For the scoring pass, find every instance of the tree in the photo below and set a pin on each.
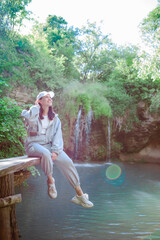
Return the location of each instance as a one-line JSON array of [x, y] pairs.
[[149, 63], [61, 40], [150, 27], [55, 28], [12, 12], [91, 45]]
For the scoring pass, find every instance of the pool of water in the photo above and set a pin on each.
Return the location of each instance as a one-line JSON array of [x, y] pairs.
[[126, 207]]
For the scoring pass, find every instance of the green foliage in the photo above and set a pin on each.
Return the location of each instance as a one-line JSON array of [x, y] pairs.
[[150, 27], [148, 68], [12, 13], [119, 100], [124, 70], [3, 84], [15, 58], [55, 22], [90, 45], [47, 72], [104, 99], [107, 99], [23, 63], [12, 131], [149, 63], [99, 104], [101, 107], [61, 41], [155, 103], [83, 99], [34, 171]]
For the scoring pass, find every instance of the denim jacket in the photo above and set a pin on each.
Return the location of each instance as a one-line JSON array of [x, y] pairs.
[[34, 126]]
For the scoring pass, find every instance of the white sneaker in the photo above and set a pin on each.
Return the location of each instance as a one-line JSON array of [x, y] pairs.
[[83, 201], [52, 192]]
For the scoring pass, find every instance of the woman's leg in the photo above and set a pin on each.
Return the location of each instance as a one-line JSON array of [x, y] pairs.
[[66, 166], [37, 150]]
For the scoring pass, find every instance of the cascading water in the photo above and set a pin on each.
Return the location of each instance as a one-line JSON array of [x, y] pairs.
[[82, 132], [88, 122], [77, 132], [109, 141]]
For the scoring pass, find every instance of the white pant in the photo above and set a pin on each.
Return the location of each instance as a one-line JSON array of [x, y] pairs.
[[63, 162]]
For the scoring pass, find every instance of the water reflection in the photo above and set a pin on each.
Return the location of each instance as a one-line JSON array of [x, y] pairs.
[[126, 211]]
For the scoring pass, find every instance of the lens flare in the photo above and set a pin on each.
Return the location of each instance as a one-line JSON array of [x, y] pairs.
[[113, 172]]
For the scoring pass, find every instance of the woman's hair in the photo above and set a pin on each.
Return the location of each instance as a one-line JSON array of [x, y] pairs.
[[51, 114]]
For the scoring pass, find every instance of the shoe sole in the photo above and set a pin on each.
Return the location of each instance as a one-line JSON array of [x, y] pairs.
[[82, 204], [52, 196]]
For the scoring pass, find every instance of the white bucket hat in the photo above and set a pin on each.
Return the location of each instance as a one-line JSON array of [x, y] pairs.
[[44, 93]]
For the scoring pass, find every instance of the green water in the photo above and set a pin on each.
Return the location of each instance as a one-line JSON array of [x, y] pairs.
[[127, 208]]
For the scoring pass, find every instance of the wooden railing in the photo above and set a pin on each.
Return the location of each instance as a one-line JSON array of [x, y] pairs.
[[8, 198]]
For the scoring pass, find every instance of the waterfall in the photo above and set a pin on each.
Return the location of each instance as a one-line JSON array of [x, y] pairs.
[[82, 131], [88, 122], [77, 131], [109, 141]]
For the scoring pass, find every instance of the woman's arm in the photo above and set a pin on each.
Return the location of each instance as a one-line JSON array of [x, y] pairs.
[[32, 114], [57, 141]]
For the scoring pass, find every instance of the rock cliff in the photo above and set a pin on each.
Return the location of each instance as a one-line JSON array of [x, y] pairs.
[[142, 143]]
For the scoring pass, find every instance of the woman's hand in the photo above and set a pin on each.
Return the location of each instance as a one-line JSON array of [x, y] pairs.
[[36, 102], [54, 156]]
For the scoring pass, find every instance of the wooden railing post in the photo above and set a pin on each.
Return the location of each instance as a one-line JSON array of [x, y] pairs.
[[8, 223], [8, 199]]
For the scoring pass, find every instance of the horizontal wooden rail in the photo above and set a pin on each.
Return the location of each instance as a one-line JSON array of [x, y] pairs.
[[12, 165], [10, 200]]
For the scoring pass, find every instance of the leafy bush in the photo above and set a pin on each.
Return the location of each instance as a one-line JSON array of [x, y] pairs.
[[106, 99], [155, 103], [29, 64], [87, 95], [12, 129]]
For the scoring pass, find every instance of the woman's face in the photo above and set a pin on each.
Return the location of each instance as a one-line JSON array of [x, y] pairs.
[[46, 101]]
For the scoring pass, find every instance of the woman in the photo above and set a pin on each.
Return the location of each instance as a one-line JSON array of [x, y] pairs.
[[45, 141]]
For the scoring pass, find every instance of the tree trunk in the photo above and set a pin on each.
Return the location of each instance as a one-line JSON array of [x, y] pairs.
[[8, 223]]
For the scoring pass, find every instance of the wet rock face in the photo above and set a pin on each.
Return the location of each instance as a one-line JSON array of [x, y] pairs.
[[143, 141], [139, 137]]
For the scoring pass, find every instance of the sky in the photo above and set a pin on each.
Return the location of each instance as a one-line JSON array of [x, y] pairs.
[[120, 18]]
